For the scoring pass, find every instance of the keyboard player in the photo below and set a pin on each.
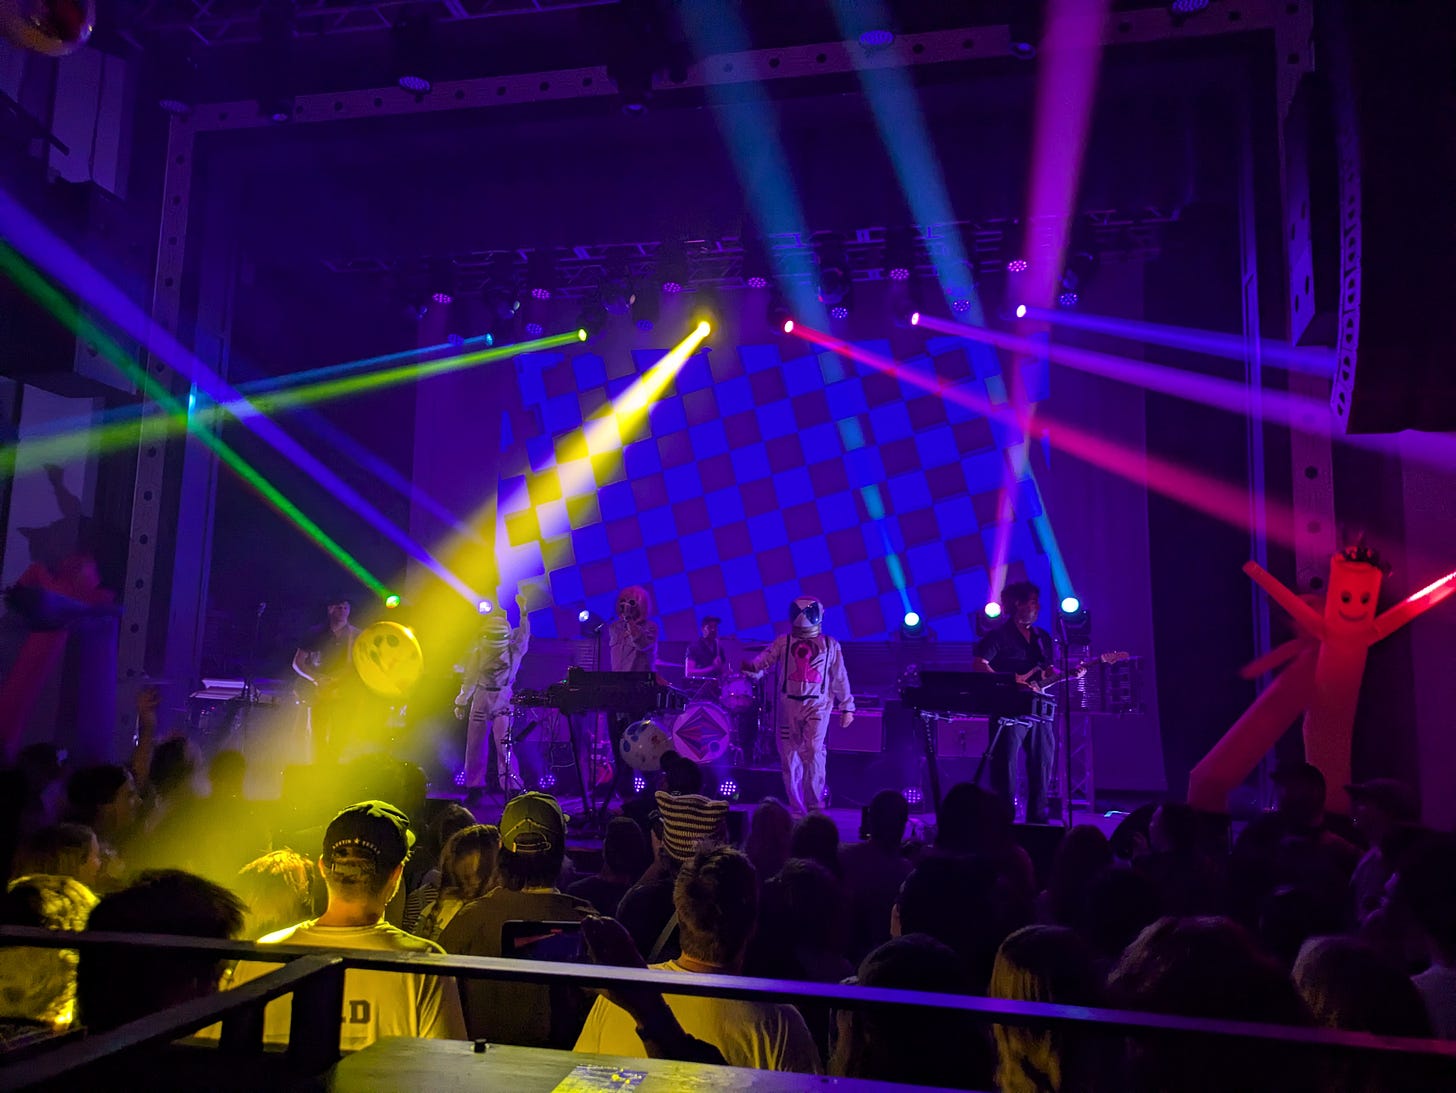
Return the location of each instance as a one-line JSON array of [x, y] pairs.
[[1019, 647]]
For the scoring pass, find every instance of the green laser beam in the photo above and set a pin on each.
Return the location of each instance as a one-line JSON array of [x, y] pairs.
[[44, 293], [37, 452]]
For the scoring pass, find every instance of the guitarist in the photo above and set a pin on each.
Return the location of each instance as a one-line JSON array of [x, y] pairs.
[[322, 664], [1020, 647]]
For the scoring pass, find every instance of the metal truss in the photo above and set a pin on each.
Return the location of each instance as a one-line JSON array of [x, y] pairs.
[[215, 22], [1117, 234]]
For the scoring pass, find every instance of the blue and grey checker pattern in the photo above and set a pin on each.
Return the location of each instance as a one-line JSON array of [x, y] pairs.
[[758, 477]]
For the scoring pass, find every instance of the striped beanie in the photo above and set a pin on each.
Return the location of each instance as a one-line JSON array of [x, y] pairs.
[[690, 819]]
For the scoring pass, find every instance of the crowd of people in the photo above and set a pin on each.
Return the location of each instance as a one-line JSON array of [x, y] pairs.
[[1303, 918]]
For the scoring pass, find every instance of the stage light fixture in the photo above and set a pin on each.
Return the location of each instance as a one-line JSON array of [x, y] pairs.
[[1071, 605], [728, 789], [778, 314], [460, 779], [1024, 31], [583, 615], [1021, 311], [992, 610], [274, 66], [900, 253], [485, 607], [1187, 7], [914, 318], [591, 624], [912, 619], [960, 305], [391, 601], [672, 267], [581, 334], [1067, 300], [1076, 626], [646, 308], [757, 272], [877, 37], [413, 54], [639, 783], [834, 283], [177, 82], [547, 781], [541, 273], [705, 328], [1017, 265], [913, 795]]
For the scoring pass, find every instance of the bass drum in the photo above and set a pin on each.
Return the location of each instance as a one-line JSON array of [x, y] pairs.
[[702, 732], [643, 744], [738, 694]]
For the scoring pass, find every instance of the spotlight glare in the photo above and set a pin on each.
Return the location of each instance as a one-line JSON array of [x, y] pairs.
[[485, 607], [583, 615], [1071, 605], [705, 328], [788, 326], [912, 619], [914, 318], [993, 610], [581, 334], [391, 601], [1021, 311]]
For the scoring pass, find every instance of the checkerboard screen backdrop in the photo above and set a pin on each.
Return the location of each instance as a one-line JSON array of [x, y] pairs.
[[761, 474]]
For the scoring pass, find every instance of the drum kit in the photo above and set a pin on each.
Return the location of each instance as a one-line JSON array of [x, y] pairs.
[[719, 719]]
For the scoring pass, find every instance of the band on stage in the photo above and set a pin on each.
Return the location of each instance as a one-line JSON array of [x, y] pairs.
[[793, 692]]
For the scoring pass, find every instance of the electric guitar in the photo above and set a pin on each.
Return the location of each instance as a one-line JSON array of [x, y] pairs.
[[1031, 681]]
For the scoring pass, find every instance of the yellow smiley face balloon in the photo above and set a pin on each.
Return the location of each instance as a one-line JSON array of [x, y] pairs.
[[388, 659]]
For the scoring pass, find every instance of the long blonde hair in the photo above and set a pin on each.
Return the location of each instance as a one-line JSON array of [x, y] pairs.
[[1041, 964]]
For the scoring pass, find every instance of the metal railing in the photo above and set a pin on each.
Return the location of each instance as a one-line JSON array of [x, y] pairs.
[[315, 978]]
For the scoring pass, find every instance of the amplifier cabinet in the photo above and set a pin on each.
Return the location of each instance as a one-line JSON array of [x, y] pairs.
[[961, 737], [866, 733]]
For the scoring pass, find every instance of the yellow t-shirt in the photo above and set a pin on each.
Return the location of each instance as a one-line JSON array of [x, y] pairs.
[[765, 1035], [376, 1004]]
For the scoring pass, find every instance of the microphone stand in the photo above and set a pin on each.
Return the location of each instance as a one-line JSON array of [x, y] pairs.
[[1066, 723]]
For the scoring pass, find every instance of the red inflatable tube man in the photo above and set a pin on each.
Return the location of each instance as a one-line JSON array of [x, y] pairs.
[[1326, 665]]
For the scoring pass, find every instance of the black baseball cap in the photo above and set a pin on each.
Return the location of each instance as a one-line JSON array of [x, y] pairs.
[[533, 823], [370, 837]]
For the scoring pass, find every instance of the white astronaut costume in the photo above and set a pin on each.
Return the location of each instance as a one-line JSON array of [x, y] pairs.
[[811, 684], [485, 692]]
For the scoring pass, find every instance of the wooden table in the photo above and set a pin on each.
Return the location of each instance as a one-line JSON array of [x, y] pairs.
[[445, 1066]]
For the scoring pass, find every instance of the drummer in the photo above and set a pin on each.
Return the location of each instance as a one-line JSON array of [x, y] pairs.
[[705, 658]]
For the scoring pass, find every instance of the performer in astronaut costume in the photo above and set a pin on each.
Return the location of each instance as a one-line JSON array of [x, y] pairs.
[[484, 700], [811, 684]]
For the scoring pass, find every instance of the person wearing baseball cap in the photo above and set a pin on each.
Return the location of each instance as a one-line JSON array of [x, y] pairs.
[[1379, 807], [364, 850], [532, 852]]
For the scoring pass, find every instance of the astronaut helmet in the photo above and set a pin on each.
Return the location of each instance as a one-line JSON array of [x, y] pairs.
[[495, 629], [805, 616]]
